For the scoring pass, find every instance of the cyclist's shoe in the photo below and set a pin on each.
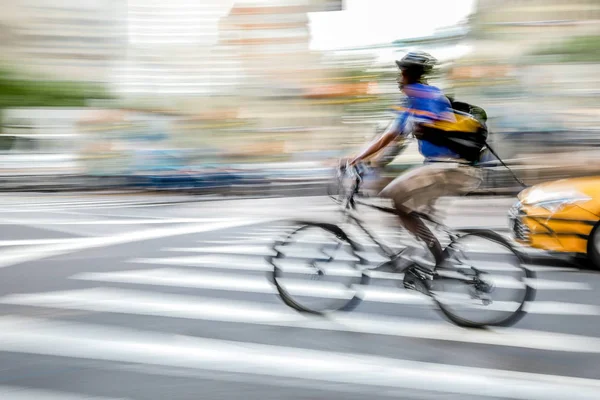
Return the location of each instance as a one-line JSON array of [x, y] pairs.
[[414, 256], [414, 280]]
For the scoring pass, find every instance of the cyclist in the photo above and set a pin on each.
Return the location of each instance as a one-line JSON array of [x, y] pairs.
[[444, 173]]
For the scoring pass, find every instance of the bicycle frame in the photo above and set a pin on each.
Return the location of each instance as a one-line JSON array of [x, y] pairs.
[[417, 275], [349, 204]]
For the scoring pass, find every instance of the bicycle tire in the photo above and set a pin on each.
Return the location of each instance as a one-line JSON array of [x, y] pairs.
[[529, 275], [346, 304]]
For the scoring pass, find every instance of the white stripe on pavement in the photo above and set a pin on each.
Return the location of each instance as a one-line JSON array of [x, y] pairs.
[[37, 336], [547, 284], [18, 256], [39, 222], [210, 309], [248, 249], [245, 238], [21, 393], [233, 249], [243, 283], [36, 242], [253, 263], [259, 284], [309, 252], [237, 262], [253, 240], [52, 208], [559, 308]]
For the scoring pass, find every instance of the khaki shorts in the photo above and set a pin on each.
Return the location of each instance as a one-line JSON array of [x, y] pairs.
[[419, 188]]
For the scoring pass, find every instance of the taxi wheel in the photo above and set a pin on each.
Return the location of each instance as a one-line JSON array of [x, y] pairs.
[[593, 247]]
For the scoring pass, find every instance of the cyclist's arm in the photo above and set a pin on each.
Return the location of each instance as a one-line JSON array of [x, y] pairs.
[[388, 136]]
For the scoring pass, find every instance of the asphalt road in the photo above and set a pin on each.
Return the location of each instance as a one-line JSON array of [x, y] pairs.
[[129, 297]]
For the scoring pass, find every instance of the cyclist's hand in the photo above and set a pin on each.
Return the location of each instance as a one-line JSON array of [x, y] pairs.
[[345, 162], [353, 162]]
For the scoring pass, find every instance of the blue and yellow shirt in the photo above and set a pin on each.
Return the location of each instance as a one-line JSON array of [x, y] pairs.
[[425, 104]]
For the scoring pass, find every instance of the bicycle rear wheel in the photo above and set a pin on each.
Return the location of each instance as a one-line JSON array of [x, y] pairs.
[[482, 281], [316, 269]]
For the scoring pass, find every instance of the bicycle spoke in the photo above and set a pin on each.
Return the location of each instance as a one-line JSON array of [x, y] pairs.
[[473, 291], [319, 274]]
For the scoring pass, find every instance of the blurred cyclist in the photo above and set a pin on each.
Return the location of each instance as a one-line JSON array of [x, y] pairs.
[[444, 172]]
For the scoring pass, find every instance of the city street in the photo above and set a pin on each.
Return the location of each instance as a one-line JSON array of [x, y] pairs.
[[153, 297]]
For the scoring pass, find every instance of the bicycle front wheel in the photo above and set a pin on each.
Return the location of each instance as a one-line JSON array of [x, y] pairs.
[[482, 281], [316, 269]]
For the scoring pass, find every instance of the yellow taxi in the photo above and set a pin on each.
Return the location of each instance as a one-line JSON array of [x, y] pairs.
[[560, 216]]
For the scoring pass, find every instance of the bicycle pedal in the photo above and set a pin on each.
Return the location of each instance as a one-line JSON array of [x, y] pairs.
[[414, 281]]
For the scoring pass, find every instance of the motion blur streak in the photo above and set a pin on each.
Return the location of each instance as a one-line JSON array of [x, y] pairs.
[[152, 153]]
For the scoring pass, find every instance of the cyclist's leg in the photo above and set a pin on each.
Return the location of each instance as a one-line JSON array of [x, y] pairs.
[[420, 188], [409, 193]]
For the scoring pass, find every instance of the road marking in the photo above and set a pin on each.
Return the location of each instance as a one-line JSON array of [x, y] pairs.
[[21, 393], [239, 241], [36, 242], [18, 256], [237, 262], [36, 336], [247, 238], [305, 252], [258, 246], [39, 222], [246, 283], [254, 263], [232, 261], [52, 208], [259, 284], [210, 309], [559, 308], [547, 284], [233, 249]]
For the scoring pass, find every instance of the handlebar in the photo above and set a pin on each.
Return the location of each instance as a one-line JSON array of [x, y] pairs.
[[356, 173]]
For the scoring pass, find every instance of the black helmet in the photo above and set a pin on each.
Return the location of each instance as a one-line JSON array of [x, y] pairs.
[[418, 62]]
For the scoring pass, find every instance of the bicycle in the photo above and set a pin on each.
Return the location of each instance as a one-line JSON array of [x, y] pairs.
[[460, 266]]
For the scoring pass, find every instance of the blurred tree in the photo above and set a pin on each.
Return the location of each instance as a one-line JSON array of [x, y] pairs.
[[577, 49], [22, 91]]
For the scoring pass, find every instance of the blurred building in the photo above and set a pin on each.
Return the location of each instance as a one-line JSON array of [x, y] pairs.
[[172, 50], [534, 67], [518, 26], [185, 48], [280, 77], [272, 43], [69, 39]]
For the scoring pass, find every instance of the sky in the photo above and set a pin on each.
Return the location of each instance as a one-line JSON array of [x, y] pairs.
[[361, 23], [366, 22]]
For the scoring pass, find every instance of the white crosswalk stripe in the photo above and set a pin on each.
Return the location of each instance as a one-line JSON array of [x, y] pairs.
[[250, 263], [21, 393], [236, 265], [66, 201], [258, 284], [32, 336], [192, 307]]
